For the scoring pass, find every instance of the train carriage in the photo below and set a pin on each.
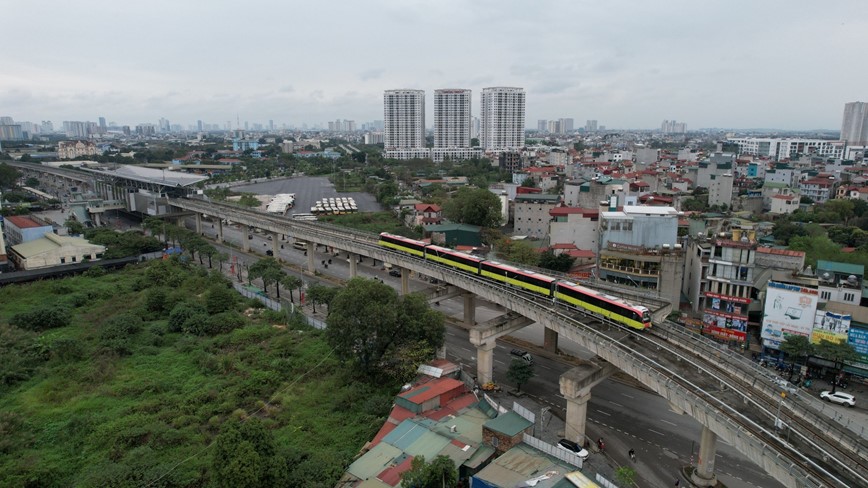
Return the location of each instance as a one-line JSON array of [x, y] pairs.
[[404, 244], [454, 259], [528, 280], [635, 316]]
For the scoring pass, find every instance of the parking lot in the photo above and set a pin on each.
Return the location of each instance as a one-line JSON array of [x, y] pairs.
[[309, 189]]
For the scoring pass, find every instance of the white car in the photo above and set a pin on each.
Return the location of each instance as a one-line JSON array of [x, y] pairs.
[[839, 397], [574, 448]]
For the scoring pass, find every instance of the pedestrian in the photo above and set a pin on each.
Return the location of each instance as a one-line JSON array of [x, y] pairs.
[[677, 483], [632, 454]]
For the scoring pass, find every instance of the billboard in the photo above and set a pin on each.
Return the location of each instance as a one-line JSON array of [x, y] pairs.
[[831, 326], [859, 340], [726, 316], [789, 310]]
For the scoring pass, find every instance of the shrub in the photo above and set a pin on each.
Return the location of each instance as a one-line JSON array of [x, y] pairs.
[[219, 299], [180, 313], [224, 322], [42, 318]]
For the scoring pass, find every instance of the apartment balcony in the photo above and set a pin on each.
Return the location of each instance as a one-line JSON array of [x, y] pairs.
[[645, 272]]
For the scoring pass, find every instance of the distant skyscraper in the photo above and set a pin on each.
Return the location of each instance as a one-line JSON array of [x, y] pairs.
[[591, 126], [502, 118], [270, 125], [199, 125], [102, 126], [673, 127], [854, 127], [404, 119], [6, 120], [566, 125], [554, 127], [452, 118], [474, 128], [542, 125], [74, 128]]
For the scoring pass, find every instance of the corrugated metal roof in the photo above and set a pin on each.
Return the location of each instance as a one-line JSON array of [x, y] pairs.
[[522, 463], [374, 461], [509, 423], [423, 393], [405, 434], [856, 269]]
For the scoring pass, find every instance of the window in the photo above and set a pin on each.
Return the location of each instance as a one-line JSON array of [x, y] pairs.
[[848, 297], [825, 295]]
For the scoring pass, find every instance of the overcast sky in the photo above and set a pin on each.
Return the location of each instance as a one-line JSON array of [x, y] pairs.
[[789, 64]]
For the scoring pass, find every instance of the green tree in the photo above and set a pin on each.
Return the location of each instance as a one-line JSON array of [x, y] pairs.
[[474, 206], [518, 252], [322, 294], [32, 182], [796, 346], [439, 473], [249, 200], [245, 455], [291, 282], [562, 262], [221, 258], [74, 227], [368, 322], [838, 352], [520, 372], [8, 176], [269, 270], [529, 182], [625, 475]]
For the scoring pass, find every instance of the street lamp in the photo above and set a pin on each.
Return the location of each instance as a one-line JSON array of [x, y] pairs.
[[778, 423]]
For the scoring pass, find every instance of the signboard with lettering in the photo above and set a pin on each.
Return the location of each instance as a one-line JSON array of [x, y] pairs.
[[831, 326], [789, 310], [859, 340]]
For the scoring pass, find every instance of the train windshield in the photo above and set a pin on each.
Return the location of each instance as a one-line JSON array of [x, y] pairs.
[[646, 317]]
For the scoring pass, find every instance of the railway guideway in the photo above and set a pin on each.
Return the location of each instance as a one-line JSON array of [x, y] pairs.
[[720, 419]]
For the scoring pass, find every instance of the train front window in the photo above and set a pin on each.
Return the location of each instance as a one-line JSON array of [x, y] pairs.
[[646, 317]]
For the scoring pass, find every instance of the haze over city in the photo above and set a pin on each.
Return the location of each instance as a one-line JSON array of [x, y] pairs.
[[628, 64]]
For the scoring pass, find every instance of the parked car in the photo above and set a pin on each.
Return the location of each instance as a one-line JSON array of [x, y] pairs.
[[839, 397], [574, 447], [523, 355], [395, 272]]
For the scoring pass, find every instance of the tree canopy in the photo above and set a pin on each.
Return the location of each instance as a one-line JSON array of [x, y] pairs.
[[474, 206], [369, 324], [439, 473], [8, 176]]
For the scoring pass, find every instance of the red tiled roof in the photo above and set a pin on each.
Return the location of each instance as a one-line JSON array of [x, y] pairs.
[[427, 391], [427, 207], [587, 212], [24, 222], [785, 197], [565, 245], [780, 252], [581, 253]]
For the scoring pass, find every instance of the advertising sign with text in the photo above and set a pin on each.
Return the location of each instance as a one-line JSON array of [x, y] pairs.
[[789, 309]]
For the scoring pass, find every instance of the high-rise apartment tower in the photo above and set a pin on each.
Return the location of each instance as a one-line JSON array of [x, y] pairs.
[[404, 119], [502, 118], [854, 127], [451, 118]]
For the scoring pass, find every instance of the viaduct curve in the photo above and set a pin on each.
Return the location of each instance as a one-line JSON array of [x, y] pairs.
[[757, 442]]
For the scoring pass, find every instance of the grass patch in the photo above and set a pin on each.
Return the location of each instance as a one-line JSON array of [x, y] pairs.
[[374, 222], [82, 407]]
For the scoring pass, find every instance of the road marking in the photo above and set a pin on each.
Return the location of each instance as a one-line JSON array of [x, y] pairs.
[[670, 423], [604, 413], [615, 403], [499, 362], [658, 433], [628, 396]]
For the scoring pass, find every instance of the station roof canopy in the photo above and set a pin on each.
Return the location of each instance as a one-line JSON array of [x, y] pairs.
[[151, 175]]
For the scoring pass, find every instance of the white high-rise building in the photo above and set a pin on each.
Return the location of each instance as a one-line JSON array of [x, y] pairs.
[[854, 127], [451, 118], [502, 117], [404, 119]]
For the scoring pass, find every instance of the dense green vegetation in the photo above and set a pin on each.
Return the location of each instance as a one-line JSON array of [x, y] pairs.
[[374, 222], [154, 375], [824, 229]]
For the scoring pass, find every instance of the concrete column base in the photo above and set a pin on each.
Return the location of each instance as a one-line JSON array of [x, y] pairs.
[[485, 363], [550, 341], [703, 475], [220, 230], [469, 309], [405, 281], [310, 264], [354, 261]]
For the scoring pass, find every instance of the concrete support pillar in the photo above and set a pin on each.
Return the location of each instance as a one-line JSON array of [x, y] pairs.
[[354, 261], [245, 239], [275, 245], [469, 309], [310, 252], [550, 340], [405, 281], [576, 419], [198, 224], [703, 475], [485, 362], [97, 220], [219, 230]]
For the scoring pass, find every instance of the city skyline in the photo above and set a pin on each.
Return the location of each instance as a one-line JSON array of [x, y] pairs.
[[734, 64]]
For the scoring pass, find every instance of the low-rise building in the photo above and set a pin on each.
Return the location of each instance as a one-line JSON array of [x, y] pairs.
[[21, 228], [784, 204], [54, 250], [74, 149], [532, 214]]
